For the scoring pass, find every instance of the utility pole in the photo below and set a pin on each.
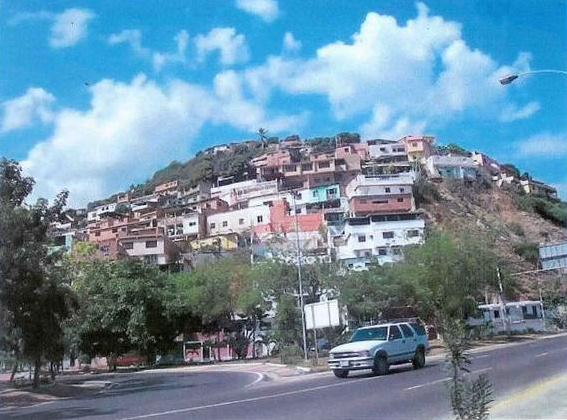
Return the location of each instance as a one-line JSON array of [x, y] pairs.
[[503, 302], [301, 302]]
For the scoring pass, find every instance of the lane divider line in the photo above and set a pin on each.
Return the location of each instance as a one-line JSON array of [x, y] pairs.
[[246, 400], [438, 381]]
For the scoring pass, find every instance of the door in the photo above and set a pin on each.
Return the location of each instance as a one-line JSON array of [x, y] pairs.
[[397, 344]]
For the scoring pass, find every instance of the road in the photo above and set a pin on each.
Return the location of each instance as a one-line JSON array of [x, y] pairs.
[[402, 394]]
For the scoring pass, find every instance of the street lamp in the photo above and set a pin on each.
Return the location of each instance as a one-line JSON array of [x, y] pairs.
[[506, 80], [301, 302]]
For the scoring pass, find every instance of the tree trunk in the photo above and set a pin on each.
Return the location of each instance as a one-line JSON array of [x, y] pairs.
[[14, 370], [36, 372]]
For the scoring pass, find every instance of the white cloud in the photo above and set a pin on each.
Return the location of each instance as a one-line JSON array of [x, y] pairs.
[[230, 45], [267, 10], [132, 37], [132, 129], [512, 113], [422, 70], [290, 44], [69, 27], [382, 125], [159, 60], [22, 111], [543, 145]]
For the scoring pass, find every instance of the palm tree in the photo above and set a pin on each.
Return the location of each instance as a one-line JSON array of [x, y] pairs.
[[263, 134]]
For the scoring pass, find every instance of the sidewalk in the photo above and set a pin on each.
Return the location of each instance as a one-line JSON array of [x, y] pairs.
[[543, 400]]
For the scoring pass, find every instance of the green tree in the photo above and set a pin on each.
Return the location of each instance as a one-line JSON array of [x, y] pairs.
[[33, 299], [124, 307]]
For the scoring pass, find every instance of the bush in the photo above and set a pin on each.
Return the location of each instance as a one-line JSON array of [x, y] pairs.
[[517, 229], [529, 251], [425, 192], [553, 210]]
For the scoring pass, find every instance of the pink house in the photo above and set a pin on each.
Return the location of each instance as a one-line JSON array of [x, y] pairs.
[[282, 221]]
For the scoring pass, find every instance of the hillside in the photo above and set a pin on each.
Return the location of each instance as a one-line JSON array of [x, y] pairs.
[[497, 213]]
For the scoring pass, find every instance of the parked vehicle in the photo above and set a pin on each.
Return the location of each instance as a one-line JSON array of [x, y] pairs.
[[379, 346]]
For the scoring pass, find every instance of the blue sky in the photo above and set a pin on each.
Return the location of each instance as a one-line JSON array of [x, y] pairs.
[[96, 95]]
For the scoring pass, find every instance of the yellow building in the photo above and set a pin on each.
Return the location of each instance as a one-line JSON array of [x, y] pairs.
[[226, 242]]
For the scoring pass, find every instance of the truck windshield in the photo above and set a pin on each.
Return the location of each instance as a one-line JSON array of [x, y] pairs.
[[378, 333]]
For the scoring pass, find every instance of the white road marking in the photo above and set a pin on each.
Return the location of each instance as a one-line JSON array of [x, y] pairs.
[[258, 379], [545, 353], [438, 381], [263, 397], [480, 356]]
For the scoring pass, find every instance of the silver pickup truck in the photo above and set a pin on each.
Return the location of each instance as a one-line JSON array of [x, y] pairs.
[[379, 346]]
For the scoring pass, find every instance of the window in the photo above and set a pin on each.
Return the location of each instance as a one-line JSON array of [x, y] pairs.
[[324, 165], [298, 210], [306, 166], [382, 149], [224, 223], [367, 254], [396, 250], [208, 205], [419, 329], [406, 330], [350, 265], [387, 189], [382, 251], [363, 334], [402, 190], [260, 219], [128, 245], [240, 221], [388, 235], [151, 244], [213, 225], [363, 201], [346, 149], [298, 196], [361, 238], [290, 168], [332, 191], [192, 223], [151, 259], [395, 333], [400, 200], [114, 230], [414, 144], [413, 233], [315, 193], [123, 229], [496, 314], [97, 233], [384, 201]]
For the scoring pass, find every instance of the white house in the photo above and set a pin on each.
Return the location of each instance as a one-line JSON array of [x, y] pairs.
[[237, 221], [94, 214], [519, 316], [243, 191], [393, 149], [457, 167], [378, 238]]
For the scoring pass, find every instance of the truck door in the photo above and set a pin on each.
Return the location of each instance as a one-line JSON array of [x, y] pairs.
[[396, 344]]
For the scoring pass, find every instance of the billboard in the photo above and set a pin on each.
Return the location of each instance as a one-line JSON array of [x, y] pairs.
[[322, 314], [553, 256]]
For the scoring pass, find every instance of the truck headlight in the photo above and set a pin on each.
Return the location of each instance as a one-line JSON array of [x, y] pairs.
[[364, 353]]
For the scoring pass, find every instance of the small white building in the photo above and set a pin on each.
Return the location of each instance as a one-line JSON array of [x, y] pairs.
[[453, 167], [520, 316], [244, 191], [237, 221], [377, 239], [394, 149], [95, 214]]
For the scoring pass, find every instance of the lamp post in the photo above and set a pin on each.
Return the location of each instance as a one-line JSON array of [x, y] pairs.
[[301, 302], [506, 80]]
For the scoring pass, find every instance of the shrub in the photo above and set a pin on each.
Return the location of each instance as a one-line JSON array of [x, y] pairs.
[[529, 251], [516, 228], [425, 192]]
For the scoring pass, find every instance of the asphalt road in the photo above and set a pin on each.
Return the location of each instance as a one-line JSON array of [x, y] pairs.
[[404, 393]]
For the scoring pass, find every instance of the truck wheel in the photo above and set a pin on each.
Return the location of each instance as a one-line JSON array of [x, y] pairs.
[[340, 373], [380, 365], [418, 360]]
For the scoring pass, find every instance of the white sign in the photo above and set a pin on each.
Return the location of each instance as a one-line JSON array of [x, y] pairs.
[[322, 314]]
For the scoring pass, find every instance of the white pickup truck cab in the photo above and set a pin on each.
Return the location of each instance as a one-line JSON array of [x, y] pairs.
[[379, 346]]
